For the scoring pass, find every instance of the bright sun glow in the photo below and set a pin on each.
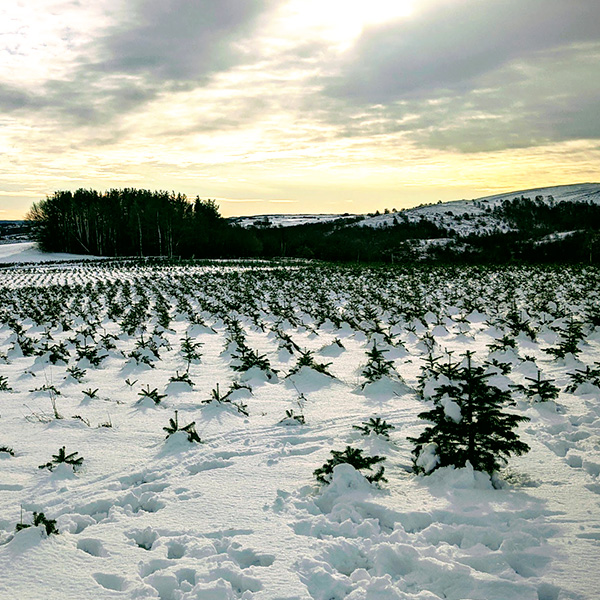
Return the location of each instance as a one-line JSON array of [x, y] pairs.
[[344, 20]]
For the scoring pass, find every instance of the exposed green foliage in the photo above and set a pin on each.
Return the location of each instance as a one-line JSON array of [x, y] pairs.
[[355, 458], [62, 457], [189, 429], [481, 433]]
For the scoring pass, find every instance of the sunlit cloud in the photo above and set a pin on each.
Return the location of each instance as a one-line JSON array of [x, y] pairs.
[[303, 104]]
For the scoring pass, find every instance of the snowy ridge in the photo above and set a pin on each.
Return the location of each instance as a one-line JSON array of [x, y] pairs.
[[450, 215]]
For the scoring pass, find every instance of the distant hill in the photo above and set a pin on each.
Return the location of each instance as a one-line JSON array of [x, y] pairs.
[[464, 217], [14, 231], [551, 224]]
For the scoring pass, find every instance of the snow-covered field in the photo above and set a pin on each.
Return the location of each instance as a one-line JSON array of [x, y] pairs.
[[88, 352], [28, 252]]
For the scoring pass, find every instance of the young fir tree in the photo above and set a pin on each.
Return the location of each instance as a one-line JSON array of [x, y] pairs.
[[468, 424], [539, 390], [377, 366]]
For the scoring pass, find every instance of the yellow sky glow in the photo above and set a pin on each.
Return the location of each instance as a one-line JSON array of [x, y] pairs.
[[295, 122]]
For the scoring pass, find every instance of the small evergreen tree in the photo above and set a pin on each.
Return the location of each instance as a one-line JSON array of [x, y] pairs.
[[183, 378], [375, 425], [589, 375], [306, 359], [355, 458], [190, 350], [291, 416], [190, 429], [569, 339], [39, 519], [225, 399], [152, 394], [247, 358], [62, 457], [377, 366], [502, 344], [539, 390], [76, 373], [468, 424]]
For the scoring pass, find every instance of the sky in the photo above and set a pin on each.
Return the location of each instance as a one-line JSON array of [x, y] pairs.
[[298, 106]]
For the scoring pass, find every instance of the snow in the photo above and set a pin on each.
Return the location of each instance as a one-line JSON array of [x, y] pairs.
[[452, 214], [451, 408], [28, 252], [240, 515], [428, 458], [279, 220]]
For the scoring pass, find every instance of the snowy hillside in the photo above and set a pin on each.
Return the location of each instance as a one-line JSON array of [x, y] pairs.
[[470, 216], [462, 216], [160, 429]]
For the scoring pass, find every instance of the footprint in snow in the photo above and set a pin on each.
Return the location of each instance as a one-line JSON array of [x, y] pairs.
[[111, 582], [92, 547]]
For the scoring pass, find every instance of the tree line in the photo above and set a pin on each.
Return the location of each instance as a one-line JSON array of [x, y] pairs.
[[137, 222], [130, 222]]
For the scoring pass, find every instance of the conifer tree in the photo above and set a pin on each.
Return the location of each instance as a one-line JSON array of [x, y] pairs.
[[468, 424], [539, 390], [377, 365]]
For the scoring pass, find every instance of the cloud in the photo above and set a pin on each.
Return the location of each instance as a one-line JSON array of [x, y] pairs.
[[163, 46], [179, 40], [556, 100], [474, 75], [12, 98], [451, 43]]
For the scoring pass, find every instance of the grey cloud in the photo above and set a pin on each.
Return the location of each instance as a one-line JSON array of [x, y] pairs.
[[12, 99], [450, 44], [180, 40], [165, 46], [476, 76]]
